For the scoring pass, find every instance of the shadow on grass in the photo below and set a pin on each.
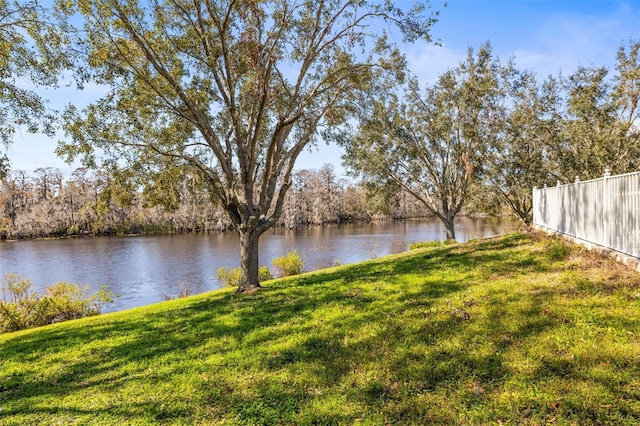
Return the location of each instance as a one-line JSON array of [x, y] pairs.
[[249, 324], [325, 348]]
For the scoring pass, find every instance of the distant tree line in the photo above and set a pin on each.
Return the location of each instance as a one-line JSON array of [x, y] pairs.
[[45, 203]]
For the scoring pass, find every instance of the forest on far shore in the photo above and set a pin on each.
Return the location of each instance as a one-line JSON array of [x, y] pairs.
[[45, 203]]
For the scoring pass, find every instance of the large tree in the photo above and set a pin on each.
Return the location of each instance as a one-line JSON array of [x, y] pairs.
[[568, 127], [28, 58], [26, 62], [430, 144], [600, 119], [232, 90], [522, 157]]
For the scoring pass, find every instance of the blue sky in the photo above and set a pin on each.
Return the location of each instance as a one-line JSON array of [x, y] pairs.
[[543, 36]]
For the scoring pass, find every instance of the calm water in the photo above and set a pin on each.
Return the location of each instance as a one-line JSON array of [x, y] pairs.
[[145, 269]]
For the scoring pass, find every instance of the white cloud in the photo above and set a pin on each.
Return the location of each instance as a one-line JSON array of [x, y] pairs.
[[429, 61], [566, 41], [565, 36]]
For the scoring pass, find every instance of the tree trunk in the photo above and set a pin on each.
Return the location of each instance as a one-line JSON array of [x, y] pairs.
[[448, 226], [448, 216], [249, 261]]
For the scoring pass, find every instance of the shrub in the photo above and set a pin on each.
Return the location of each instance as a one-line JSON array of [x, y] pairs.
[[288, 265], [231, 277], [558, 250], [431, 244], [285, 266], [426, 244], [184, 290], [21, 307]]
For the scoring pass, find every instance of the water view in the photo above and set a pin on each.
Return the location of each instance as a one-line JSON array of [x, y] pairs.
[[145, 269]]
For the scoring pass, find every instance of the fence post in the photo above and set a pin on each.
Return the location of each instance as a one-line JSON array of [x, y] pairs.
[[576, 207], [560, 221], [534, 206], [606, 208]]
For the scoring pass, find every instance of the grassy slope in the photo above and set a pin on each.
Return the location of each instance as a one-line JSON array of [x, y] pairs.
[[522, 329]]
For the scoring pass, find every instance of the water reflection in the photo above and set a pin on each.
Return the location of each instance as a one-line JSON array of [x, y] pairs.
[[144, 269]]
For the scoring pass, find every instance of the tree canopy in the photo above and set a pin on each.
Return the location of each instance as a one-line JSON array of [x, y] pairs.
[[28, 59], [486, 129], [230, 90], [431, 144], [568, 127]]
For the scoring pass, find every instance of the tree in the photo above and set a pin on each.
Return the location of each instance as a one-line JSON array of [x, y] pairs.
[[584, 147], [626, 101], [522, 158], [313, 198], [599, 119], [326, 202], [27, 53], [568, 127], [431, 145], [233, 90]]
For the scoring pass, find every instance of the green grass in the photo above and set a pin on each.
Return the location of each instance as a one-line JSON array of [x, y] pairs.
[[521, 329]]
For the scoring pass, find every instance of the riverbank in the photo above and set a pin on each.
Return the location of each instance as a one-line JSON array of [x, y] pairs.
[[145, 269], [228, 228], [520, 329]]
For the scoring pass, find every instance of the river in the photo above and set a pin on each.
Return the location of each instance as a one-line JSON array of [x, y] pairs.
[[145, 269]]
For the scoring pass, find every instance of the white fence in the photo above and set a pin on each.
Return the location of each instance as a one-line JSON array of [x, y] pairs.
[[603, 211]]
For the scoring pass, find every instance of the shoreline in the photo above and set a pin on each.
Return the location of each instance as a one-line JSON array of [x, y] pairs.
[[4, 239]]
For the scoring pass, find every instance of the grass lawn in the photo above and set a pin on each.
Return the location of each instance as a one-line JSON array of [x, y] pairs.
[[521, 329]]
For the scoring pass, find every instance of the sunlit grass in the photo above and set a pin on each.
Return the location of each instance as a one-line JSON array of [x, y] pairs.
[[521, 329]]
